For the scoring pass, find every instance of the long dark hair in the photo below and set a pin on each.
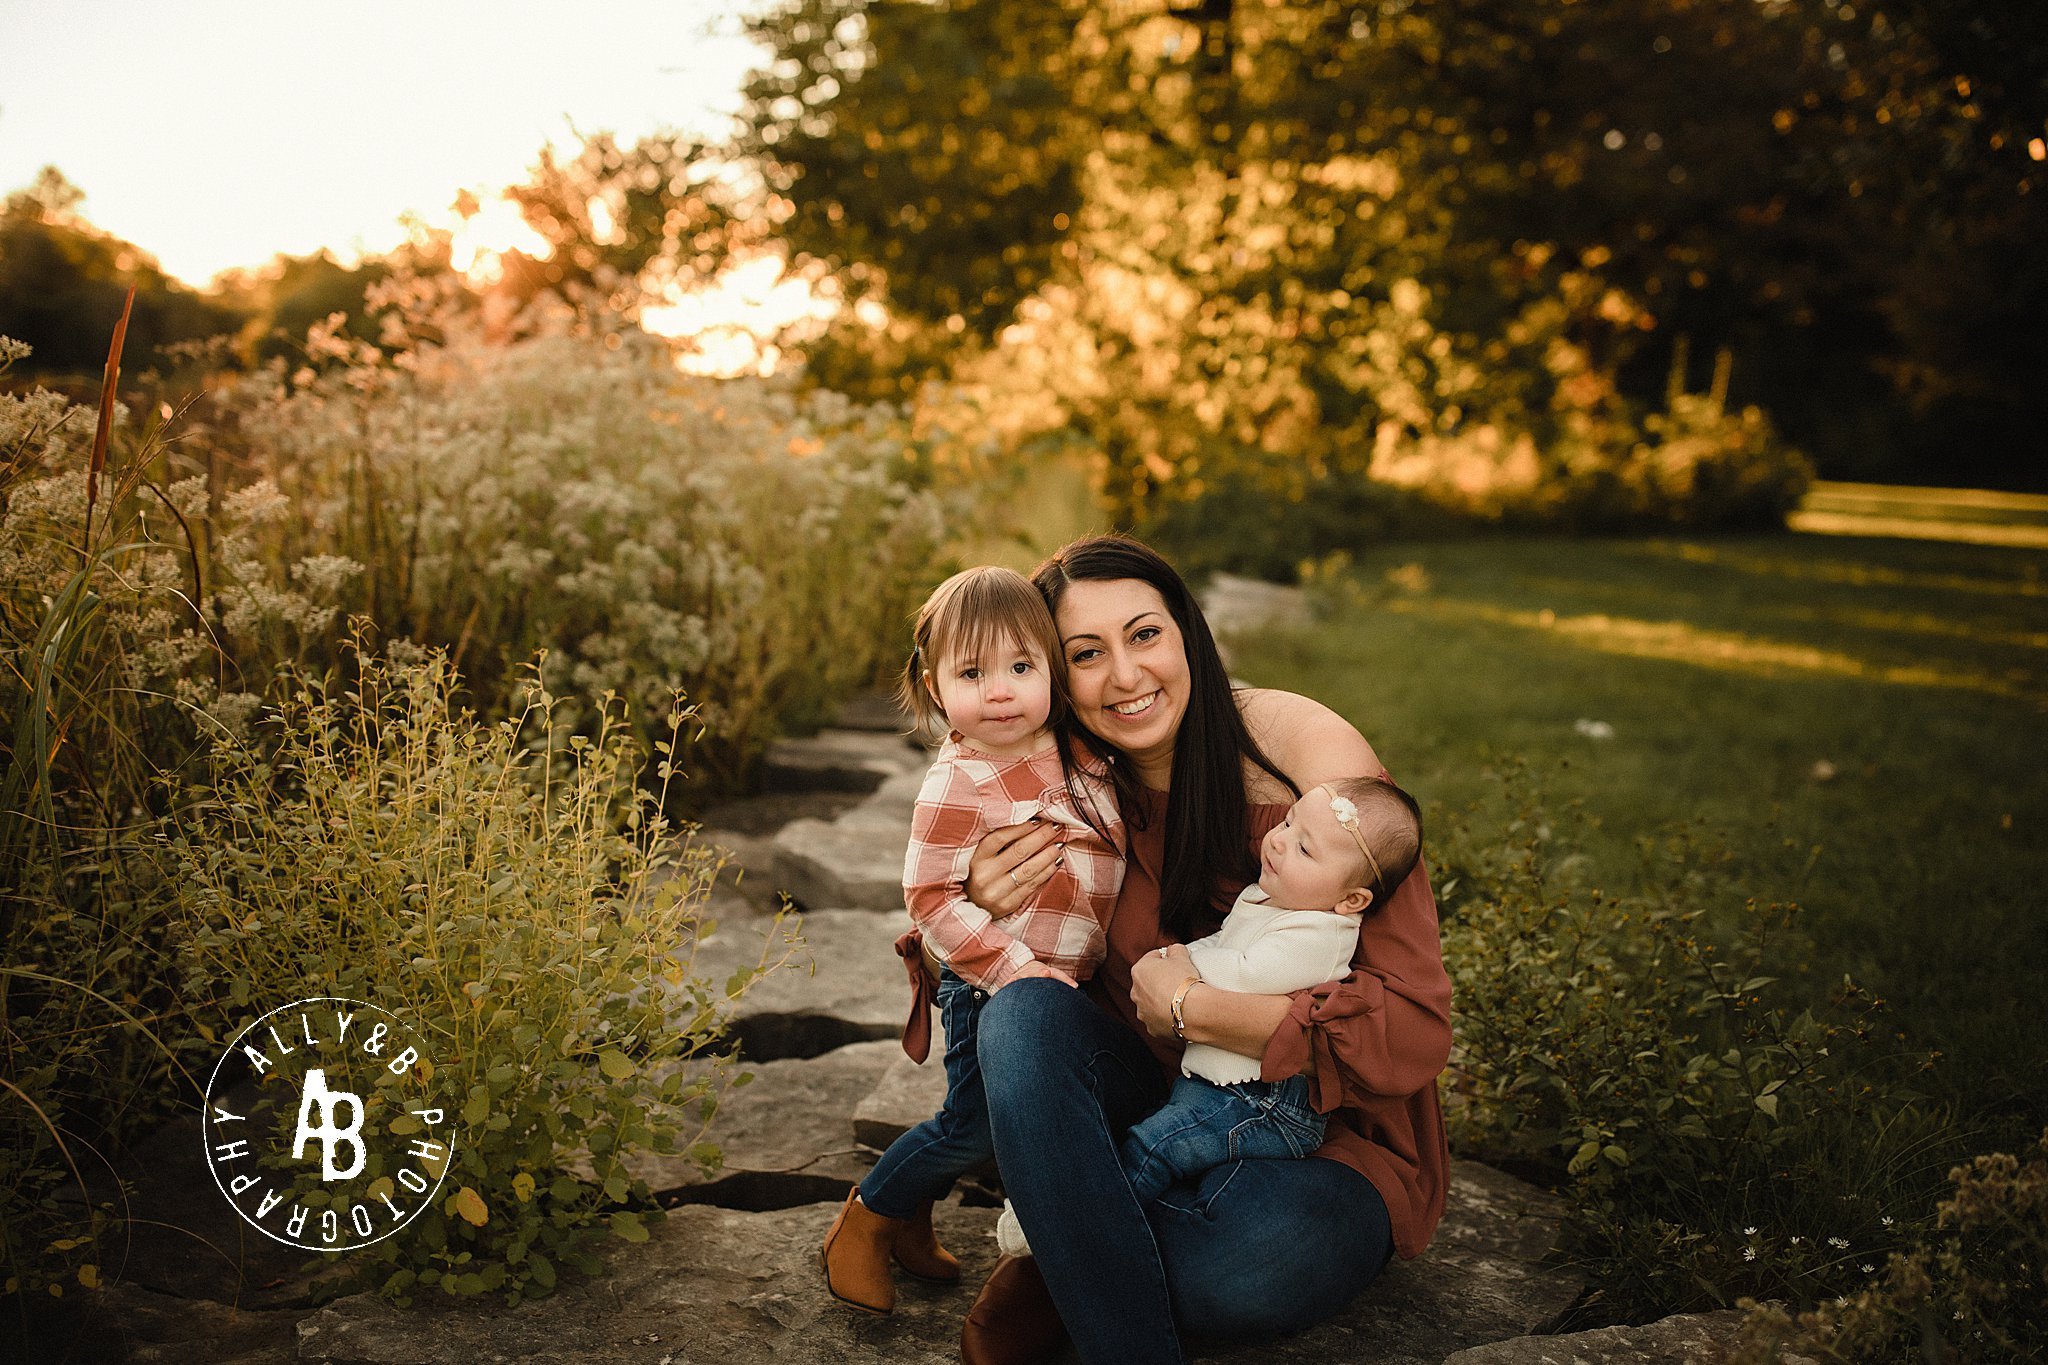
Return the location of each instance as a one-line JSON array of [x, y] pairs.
[[1208, 831]]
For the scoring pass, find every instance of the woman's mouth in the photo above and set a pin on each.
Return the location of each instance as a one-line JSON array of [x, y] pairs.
[[1137, 707]]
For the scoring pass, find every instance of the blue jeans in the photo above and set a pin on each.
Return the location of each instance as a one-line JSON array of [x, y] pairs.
[[1202, 1125], [924, 1162], [1249, 1249]]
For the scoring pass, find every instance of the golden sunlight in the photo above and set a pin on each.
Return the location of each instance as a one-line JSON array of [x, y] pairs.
[[728, 322], [478, 243]]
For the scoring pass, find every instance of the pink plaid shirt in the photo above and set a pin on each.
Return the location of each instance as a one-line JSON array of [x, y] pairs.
[[967, 794]]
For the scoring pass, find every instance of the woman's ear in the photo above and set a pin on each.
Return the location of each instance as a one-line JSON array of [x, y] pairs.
[[1356, 901]]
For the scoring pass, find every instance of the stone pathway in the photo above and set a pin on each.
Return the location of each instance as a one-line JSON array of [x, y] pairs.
[[731, 1275]]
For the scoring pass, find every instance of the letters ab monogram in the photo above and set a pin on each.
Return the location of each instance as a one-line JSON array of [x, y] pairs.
[[317, 1096]]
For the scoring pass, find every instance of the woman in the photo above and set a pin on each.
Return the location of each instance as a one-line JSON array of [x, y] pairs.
[[1258, 1247]]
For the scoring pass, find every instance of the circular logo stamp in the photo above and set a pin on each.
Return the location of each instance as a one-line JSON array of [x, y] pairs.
[[322, 1126]]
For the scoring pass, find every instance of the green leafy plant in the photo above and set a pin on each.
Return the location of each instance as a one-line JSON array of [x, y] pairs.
[[534, 910], [1715, 1140]]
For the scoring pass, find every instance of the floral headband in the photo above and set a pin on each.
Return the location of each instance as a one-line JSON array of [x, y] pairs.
[[1347, 816]]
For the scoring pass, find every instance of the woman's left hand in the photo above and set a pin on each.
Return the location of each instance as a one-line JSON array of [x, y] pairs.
[[1154, 979]]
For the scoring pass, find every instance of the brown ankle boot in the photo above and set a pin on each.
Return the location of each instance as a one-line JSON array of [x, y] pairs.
[[1014, 1321], [856, 1257], [918, 1250]]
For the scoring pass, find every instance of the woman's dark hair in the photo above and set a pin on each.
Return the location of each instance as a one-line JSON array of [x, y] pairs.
[[1208, 830]]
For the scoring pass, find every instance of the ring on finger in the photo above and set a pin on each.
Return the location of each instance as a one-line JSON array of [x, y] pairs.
[[1013, 879]]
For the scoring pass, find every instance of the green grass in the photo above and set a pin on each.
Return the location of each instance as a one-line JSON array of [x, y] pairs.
[[1860, 726]]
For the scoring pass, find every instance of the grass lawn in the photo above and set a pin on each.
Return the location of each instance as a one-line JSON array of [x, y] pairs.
[[1861, 725]]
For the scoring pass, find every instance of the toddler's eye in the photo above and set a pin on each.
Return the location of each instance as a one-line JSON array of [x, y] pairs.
[[970, 674], [1021, 666]]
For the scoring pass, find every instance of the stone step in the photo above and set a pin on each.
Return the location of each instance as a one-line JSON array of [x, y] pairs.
[[840, 760], [843, 984], [784, 1135], [872, 710], [1685, 1339], [708, 1285], [855, 861]]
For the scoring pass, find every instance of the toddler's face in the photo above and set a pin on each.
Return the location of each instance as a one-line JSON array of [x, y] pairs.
[[1310, 862], [999, 702]]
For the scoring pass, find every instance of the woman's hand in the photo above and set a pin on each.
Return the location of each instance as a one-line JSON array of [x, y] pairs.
[[1012, 862], [1154, 979]]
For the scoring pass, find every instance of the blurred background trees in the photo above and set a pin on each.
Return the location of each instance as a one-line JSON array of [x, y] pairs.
[[1228, 234], [1559, 262]]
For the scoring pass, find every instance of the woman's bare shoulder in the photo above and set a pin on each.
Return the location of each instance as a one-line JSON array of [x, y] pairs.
[[1310, 742]]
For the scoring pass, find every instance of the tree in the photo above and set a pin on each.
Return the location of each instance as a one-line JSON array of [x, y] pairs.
[[62, 282]]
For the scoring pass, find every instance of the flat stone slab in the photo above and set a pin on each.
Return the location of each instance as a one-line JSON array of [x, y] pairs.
[[710, 1286], [784, 1135], [906, 1095], [854, 861], [843, 983], [1681, 1340], [875, 710], [840, 760]]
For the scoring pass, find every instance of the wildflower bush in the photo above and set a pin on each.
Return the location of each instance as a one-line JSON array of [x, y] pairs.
[[756, 547], [1974, 1288], [1715, 1140], [378, 844], [568, 496]]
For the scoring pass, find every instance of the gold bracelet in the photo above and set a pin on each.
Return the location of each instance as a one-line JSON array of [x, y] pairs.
[[1180, 1023]]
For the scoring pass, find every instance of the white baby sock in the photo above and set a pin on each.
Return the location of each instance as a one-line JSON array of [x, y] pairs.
[[1010, 1233]]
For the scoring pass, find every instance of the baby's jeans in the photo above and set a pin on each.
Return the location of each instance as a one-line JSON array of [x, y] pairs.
[[1203, 1125], [924, 1162]]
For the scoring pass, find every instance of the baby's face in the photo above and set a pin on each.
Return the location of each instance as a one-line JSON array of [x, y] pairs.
[[1310, 862]]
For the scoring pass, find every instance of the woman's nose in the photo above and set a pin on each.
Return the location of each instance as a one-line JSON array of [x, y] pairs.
[[1123, 670]]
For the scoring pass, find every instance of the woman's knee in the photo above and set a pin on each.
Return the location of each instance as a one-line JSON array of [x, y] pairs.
[[1029, 1030]]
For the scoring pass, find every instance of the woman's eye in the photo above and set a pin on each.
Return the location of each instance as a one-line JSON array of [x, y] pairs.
[[1082, 656], [1144, 635]]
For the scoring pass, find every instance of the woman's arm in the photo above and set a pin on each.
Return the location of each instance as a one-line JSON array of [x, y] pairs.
[[1232, 1020], [1305, 739]]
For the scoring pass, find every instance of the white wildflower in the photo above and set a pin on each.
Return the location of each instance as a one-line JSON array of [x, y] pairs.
[[1594, 729]]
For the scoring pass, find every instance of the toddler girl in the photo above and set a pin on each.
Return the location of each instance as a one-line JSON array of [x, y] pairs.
[[985, 666]]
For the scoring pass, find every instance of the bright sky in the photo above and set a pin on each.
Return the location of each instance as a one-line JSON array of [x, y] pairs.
[[217, 133]]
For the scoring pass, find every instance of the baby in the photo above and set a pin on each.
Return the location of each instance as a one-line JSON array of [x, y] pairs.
[[1341, 851], [985, 668]]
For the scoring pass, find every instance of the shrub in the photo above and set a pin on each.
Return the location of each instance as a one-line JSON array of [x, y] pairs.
[[757, 548], [1716, 1140], [1975, 1288], [382, 846]]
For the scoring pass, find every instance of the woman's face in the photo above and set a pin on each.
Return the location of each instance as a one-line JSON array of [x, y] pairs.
[[1127, 667]]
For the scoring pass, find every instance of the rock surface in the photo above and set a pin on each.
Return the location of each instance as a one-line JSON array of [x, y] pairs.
[[906, 1094], [709, 1285], [844, 983], [784, 1135], [1687, 1337], [841, 760], [855, 861]]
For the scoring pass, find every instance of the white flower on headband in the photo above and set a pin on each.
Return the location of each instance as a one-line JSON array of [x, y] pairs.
[[1346, 813]]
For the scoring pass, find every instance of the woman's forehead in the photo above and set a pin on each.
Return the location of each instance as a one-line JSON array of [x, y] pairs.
[[1103, 606]]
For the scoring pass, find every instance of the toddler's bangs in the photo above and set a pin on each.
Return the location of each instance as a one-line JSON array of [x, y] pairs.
[[988, 611]]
